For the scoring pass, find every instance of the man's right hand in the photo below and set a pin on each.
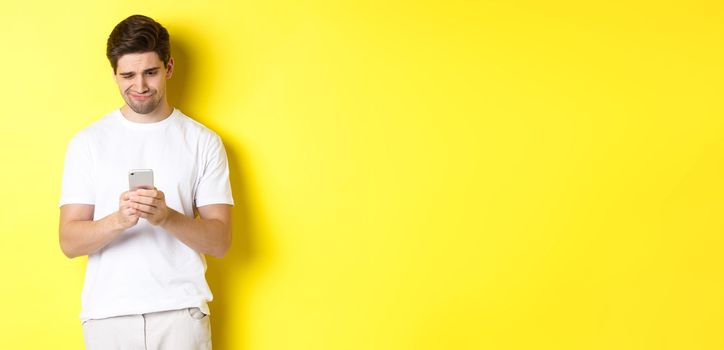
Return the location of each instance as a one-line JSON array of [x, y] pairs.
[[81, 235], [126, 215]]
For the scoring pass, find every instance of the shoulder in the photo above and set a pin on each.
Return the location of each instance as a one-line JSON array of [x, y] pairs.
[[195, 128], [95, 131]]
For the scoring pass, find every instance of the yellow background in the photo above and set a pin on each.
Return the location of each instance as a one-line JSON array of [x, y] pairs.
[[409, 175]]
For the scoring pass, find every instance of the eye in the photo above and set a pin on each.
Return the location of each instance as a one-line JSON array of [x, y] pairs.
[[152, 73]]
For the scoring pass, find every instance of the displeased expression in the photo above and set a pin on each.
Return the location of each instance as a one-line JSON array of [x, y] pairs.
[[141, 79]]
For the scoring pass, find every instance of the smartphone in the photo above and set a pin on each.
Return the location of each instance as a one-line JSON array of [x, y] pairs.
[[140, 178]]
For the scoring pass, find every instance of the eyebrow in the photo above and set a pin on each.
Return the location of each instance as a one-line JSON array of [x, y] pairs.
[[145, 71]]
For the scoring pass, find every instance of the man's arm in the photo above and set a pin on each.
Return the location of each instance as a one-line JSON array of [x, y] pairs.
[[210, 233], [80, 235]]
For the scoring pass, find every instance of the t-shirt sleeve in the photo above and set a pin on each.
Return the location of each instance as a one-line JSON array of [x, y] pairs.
[[78, 181], [214, 186]]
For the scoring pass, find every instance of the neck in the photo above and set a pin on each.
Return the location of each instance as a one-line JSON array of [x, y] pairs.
[[163, 111]]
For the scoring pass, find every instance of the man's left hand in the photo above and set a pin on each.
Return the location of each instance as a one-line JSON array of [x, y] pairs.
[[151, 205]]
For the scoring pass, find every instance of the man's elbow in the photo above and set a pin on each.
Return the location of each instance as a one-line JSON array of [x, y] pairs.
[[70, 255], [223, 247], [219, 252], [68, 251], [65, 246]]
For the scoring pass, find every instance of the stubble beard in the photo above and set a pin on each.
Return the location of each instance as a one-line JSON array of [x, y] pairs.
[[144, 107]]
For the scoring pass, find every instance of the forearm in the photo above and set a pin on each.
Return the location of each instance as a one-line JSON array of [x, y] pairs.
[[206, 236], [84, 237]]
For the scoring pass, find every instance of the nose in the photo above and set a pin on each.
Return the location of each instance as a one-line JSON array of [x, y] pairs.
[[140, 82]]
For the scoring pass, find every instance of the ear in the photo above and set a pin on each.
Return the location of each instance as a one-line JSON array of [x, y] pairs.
[[169, 68]]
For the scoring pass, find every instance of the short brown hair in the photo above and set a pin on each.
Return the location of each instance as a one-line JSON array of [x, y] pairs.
[[138, 34]]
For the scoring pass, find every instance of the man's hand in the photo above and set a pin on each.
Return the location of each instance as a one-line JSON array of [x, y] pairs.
[[150, 205], [127, 215]]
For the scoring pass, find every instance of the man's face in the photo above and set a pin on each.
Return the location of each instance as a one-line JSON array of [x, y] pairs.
[[141, 78]]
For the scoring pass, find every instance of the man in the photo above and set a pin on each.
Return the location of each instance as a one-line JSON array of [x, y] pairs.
[[145, 286]]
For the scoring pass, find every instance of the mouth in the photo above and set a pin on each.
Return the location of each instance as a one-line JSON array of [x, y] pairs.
[[141, 97]]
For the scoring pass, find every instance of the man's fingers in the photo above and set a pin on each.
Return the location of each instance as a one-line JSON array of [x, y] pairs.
[[144, 200], [142, 203], [144, 208], [150, 193], [146, 193]]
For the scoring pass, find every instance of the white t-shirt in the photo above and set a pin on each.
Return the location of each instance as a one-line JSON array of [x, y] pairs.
[[145, 269]]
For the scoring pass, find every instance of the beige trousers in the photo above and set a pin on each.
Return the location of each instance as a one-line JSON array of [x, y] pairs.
[[185, 329]]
